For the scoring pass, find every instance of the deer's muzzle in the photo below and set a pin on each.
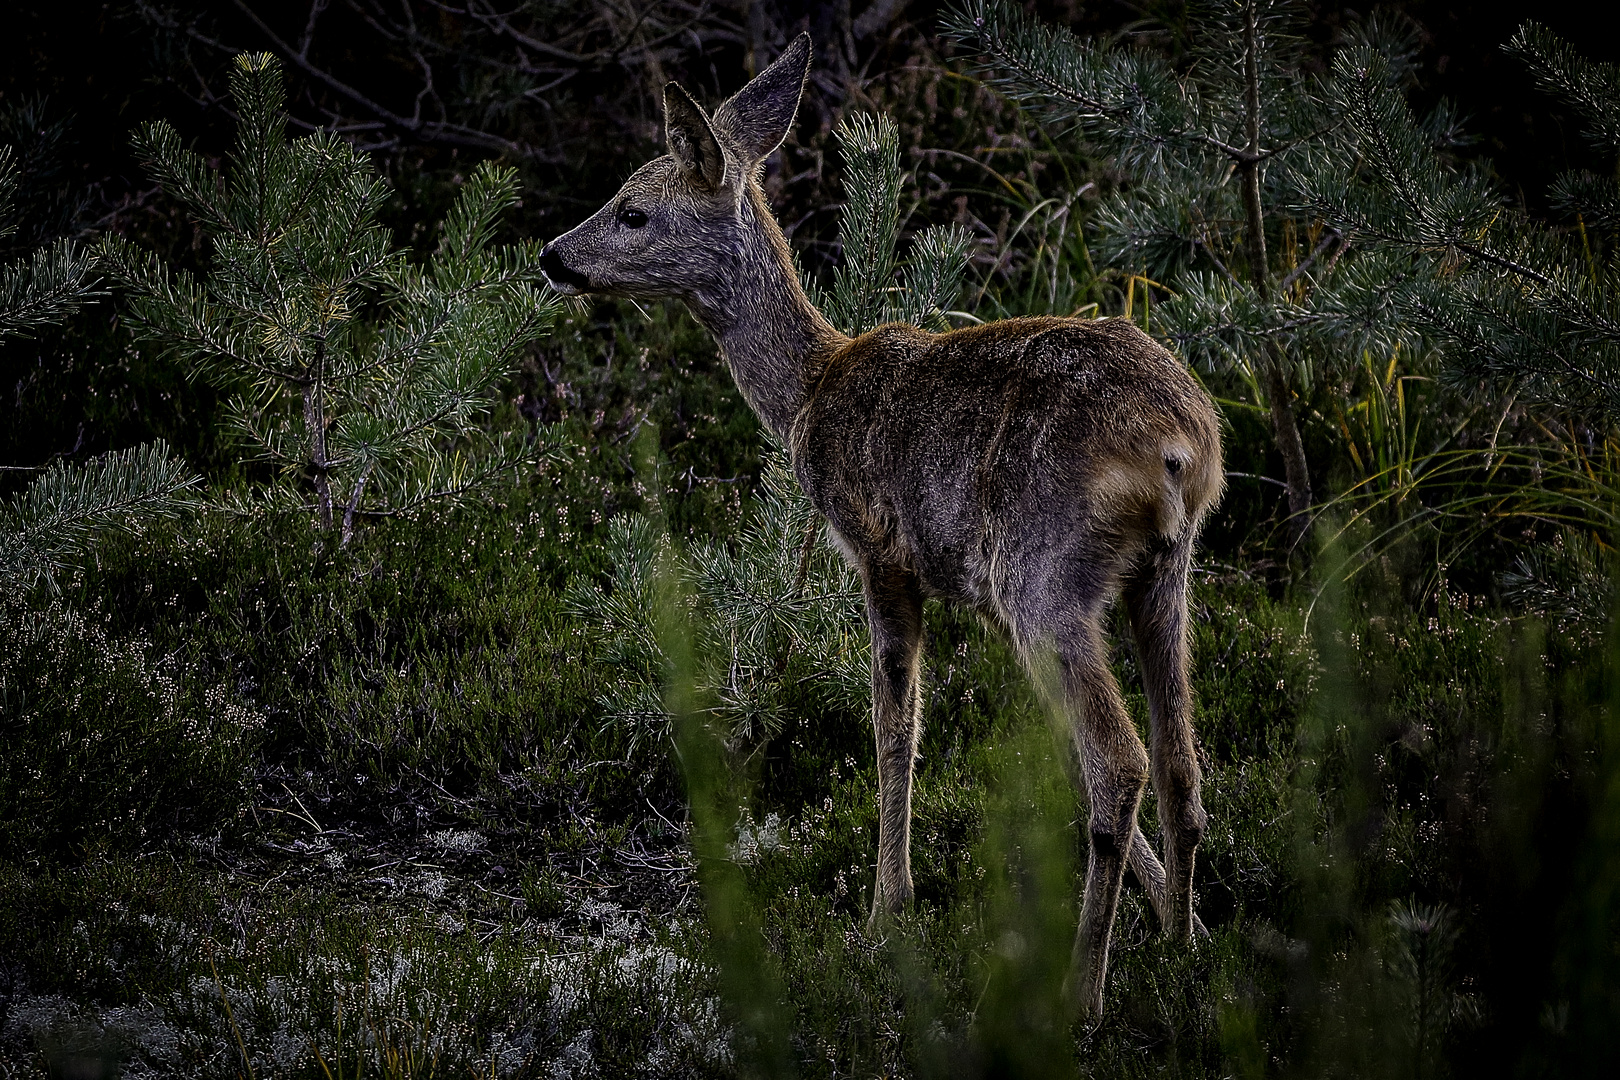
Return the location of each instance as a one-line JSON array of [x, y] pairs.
[[561, 277]]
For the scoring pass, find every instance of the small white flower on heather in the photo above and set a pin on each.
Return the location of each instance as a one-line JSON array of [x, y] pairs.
[[457, 841]]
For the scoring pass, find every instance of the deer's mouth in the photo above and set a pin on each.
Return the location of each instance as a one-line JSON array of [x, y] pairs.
[[566, 281]]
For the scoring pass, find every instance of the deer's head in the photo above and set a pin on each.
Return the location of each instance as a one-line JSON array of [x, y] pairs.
[[679, 227]]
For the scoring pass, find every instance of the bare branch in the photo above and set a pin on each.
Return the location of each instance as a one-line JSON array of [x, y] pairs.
[[433, 131], [316, 7], [1322, 245]]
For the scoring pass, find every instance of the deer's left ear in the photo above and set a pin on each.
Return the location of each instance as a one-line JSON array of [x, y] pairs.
[[759, 116], [691, 140]]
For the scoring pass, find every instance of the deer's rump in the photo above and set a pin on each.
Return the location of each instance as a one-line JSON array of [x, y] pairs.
[[1023, 443]]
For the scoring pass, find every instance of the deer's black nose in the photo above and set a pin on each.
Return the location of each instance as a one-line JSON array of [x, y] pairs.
[[552, 266]]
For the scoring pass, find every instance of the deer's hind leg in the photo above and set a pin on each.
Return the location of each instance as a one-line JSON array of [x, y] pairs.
[[1156, 598], [1114, 765], [894, 609]]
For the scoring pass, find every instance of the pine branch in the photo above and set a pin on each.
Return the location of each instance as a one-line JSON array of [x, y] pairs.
[[870, 148], [864, 293], [1525, 308], [933, 275], [1594, 200], [171, 308], [471, 223], [9, 180], [775, 619], [182, 174], [1592, 88], [56, 518], [45, 289], [1040, 61], [362, 377]]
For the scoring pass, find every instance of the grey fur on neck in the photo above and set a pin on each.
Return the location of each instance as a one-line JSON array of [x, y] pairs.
[[770, 334]]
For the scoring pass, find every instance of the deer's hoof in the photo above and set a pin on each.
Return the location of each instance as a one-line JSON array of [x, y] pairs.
[[886, 906], [1085, 996]]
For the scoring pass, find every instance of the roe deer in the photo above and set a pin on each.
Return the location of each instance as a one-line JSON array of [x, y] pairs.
[[1032, 469]]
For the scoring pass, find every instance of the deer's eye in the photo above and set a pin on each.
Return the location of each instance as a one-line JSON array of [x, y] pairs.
[[632, 218]]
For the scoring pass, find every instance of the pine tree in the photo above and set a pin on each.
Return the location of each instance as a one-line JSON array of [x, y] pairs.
[[360, 376], [1531, 309], [67, 507], [777, 617], [864, 292], [1217, 148]]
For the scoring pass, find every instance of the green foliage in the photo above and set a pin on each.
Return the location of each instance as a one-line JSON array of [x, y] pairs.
[[42, 288], [435, 647], [864, 294], [359, 377], [1529, 309], [1420, 775], [1566, 582], [1020, 1024], [1220, 146], [1129, 97], [777, 614], [108, 738], [63, 510], [58, 515], [316, 986], [1422, 965], [1521, 307], [747, 976]]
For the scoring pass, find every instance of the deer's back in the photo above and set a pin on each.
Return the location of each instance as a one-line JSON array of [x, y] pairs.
[[1003, 444]]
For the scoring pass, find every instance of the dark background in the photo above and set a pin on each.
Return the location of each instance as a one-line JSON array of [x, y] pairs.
[[111, 66]]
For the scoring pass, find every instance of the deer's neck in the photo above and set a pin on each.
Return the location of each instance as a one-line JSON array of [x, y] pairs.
[[771, 336]]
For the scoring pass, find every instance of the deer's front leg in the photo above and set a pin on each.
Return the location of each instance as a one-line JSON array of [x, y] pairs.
[[1150, 872], [894, 608]]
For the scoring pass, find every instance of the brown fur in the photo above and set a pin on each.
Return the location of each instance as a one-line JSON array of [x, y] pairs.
[[1031, 469]]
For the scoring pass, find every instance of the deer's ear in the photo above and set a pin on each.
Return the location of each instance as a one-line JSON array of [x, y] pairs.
[[691, 140], [759, 116]]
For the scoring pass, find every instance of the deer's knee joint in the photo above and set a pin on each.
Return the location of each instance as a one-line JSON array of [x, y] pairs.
[[1108, 843], [1191, 828], [1128, 776], [1186, 823]]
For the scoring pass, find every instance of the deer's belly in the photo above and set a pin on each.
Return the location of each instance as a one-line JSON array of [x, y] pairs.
[[949, 555], [937, 535]]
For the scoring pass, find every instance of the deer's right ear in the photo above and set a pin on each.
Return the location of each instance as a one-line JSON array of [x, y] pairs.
[[759, 116], [691, 140]]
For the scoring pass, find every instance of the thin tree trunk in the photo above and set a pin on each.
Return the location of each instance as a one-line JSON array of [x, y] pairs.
[[354, 504], [315, 423], [1285, 428]]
